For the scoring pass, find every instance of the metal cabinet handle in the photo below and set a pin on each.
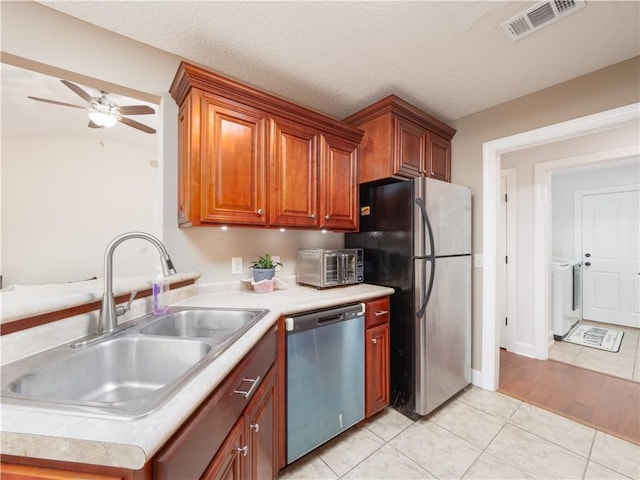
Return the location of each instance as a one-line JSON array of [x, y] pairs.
[[247, 393], [381, 312], [374, 340], [587, 264], [327, 216], [313, 215], [587, 255], [260, 211], [244, 450], [255, 427]]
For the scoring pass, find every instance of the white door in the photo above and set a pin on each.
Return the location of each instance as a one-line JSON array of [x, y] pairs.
[[611, 258]]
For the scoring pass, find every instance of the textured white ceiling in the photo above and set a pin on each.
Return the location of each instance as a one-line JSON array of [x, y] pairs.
[[449, 58]]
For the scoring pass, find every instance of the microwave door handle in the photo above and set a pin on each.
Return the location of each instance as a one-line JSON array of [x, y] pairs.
[[340, 265]]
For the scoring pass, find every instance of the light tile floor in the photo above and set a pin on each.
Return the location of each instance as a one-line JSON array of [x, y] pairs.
[[624, 364], [477, 435]]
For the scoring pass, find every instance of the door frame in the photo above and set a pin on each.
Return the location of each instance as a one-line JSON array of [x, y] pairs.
[[489, 376], [508, 297]]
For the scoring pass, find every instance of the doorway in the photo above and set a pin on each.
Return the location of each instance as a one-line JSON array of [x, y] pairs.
[[593, 223], [488, 378]]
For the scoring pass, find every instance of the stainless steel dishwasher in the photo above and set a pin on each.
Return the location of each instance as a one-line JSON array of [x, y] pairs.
[[325, 376]]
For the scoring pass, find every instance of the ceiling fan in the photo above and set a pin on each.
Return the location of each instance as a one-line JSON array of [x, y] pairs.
[[103, 112]]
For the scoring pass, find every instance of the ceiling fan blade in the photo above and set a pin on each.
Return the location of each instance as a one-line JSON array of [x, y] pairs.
[[138, 125], [136, 110], [56, 102], [94, 125], [78, 91]]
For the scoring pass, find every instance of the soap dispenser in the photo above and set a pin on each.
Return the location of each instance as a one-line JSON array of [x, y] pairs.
[[160, 295]]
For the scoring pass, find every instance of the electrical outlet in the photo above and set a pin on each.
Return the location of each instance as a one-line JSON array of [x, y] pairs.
[[236, 265], [276, 258]]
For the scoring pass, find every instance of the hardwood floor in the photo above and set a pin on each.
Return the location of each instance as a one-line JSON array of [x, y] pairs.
[[601, 401]]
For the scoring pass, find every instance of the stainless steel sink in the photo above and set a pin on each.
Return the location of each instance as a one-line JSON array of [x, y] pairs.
[[199, 323], [113, 371], [130, 373]]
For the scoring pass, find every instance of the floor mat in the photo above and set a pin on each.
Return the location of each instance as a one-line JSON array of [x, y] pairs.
[[607, 339]]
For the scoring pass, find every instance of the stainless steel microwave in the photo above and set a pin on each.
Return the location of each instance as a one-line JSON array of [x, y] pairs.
[[329, 268]]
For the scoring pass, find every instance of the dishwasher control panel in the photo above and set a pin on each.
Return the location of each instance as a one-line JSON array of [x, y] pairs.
[[318, 318]]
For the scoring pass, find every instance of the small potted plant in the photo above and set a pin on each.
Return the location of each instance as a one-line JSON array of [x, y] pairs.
[[264, 268]]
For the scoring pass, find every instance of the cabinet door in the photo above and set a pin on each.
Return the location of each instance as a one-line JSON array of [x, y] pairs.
[[339, 185], [233, 148], [262, 432], [377, 369], [439, 158], [294, 176], [229, 462], [410, 148]]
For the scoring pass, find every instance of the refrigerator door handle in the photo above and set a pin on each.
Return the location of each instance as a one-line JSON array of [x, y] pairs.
[[425, 218], [423, 307]]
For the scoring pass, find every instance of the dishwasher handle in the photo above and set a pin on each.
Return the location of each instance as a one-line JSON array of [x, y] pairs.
[[318, 319], [330, 319]]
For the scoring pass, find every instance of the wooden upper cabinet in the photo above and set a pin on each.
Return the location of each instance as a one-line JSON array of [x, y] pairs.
[[339, 172], [233, 178], [440, 158], [248, 158], [410, 146], [294, 176], [400, 142]]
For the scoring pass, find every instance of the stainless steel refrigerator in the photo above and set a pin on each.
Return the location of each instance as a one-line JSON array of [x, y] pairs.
[[416, 237]]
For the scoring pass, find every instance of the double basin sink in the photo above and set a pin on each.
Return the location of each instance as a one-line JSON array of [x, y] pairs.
[[130, 373]]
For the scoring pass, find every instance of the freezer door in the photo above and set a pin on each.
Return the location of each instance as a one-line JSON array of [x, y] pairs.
[[443, 334], [448, 208]]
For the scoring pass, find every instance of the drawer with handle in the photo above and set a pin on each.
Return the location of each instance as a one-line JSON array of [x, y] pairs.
[[377, 312]]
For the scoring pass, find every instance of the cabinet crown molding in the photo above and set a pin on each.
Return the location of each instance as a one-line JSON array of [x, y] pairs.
[[190, 76], [397, 106]]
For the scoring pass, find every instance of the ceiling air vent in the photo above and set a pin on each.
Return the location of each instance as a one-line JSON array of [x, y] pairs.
[[540, 15]]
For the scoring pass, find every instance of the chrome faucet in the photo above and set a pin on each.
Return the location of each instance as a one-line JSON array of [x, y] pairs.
[[109, 313]]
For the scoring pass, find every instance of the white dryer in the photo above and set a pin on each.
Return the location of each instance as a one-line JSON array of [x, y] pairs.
[[566, 295]]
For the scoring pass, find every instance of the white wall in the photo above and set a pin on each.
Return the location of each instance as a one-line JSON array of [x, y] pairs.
[[523, 161], [64, 198], [565, 183]]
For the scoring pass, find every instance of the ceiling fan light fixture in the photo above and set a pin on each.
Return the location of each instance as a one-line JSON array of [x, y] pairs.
[[103, 119]]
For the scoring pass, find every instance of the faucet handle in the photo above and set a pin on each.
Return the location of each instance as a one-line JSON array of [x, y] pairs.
[[127, 307]]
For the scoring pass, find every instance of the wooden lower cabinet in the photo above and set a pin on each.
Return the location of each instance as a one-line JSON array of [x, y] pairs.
[[229, 463], [376, 353], [249, 452]]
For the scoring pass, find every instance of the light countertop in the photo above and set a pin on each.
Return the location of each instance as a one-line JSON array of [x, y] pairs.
[[22, 301], [131, 443]]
